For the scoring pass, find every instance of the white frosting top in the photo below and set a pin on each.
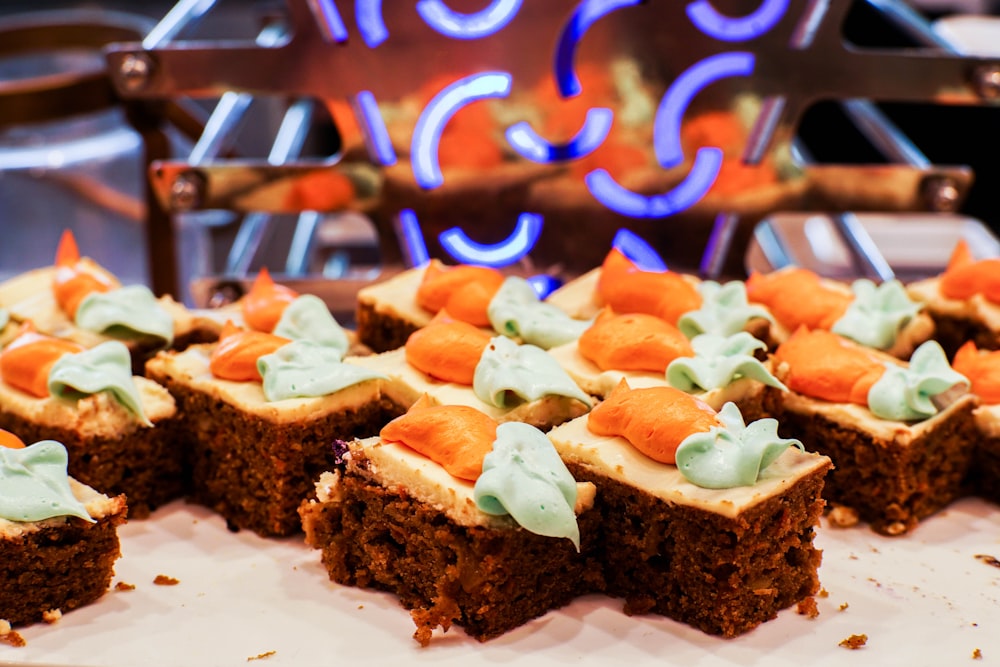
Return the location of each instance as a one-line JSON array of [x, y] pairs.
[[397, 297], [977, 308]]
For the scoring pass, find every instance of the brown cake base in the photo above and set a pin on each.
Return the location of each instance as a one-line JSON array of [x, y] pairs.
[[59, 567], [147, 465], [891, 485], [380, 331], [953, 332], [486, 580], [255, 473], [984, 473], [722, 575]]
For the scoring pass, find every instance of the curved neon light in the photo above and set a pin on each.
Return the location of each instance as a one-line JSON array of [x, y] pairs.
[[427, 133], [371, 25], [641, 253], [728, 29], [527, 143], [667, 123], [585, 15], [376, 134], [468, 26], [508, 251], [332, 25], [544, 284], [412, 237], [705, 170]]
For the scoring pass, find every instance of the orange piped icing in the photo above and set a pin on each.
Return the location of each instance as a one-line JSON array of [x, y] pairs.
[[797, 297], [447, 349], [628, 289], [982, 368], [236, 354], [465, 291], [633, 342], [26, 362], [456, 437], [655, 420], [965, 277], [74, 279], [265, 302], [10, 441], [824, 365]]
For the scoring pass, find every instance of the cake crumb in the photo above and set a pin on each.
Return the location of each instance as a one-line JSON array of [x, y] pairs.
[[977, 654], [854, 642], [823, 593], [989, 560], [10, 637], [52, 615], [807, 607], [261, 656], [164, 580], [122, 586], [843, 606], [843, 517], [895, 528]]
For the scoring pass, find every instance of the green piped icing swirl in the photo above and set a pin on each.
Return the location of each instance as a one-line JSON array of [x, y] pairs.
[[718, 362], [733, 454], [308, 318], [877, 314], [133, 309], [516, 311], [306, 369], [527, 371], [105, 367], [34, 484], [905, 393], [724, 310], [524, 477]]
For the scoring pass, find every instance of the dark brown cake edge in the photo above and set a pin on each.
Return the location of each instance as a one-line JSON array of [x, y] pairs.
[[380, 331]]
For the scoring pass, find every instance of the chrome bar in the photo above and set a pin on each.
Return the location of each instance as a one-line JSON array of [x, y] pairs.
[[869, 260], [297, 263], [911, 22], [181, 16], [883, 134]]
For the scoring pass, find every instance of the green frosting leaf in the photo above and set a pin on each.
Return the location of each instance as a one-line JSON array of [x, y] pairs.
[[132, 308], [305, 369], [516, 311], [724, 310], [34, 484], [718, 362], [524, 477], [308, 318], [733, 454], [906, 393], [106, 367], [877, 314], [527, 371]]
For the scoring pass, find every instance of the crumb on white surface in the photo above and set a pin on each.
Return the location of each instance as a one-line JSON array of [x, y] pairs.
[[261, 656], [842, 517], [52, 615]]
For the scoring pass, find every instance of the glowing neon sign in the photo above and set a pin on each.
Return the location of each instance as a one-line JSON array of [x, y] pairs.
[[468, 26]]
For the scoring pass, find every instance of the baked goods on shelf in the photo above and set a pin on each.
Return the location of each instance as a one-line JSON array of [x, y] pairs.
[[58, 537], [119, 429], [467, 521], [901, 436]]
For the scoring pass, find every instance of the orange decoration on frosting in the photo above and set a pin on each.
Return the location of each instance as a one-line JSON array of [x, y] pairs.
[[26, 362], [966, 277], [266, 301], [74, 278], [824, 365], [9, 440], [236, 354], [628, 289], [456, 437], [447, 349], [633, 342], [465, 291], [982, 368], [797, 297], [654, 420]]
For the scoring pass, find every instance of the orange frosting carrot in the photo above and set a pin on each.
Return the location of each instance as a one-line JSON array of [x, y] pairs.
[[456, 437], [982, 368], [266, 301], [634, 342], [235, 356], [628, 289], [654, 420], [9, 440], [74, 279], [26, 362], [447, 349], [824, 365], [464, 291], [796, 297], [965, 277]]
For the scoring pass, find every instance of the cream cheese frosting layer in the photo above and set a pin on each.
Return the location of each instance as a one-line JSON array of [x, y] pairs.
[[578, 298], [615, 458], [97, 504], [190, 368], [977, 307], [397, 297]]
